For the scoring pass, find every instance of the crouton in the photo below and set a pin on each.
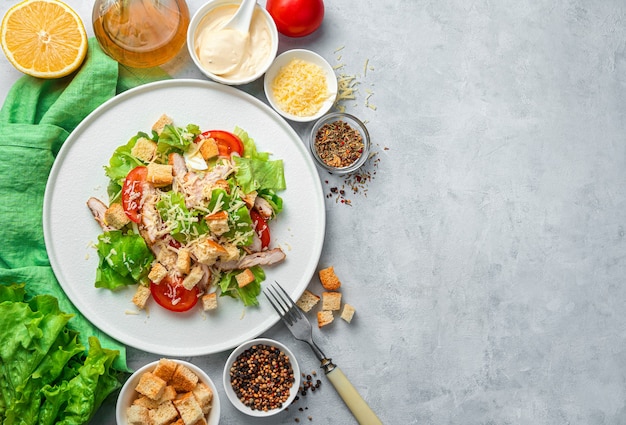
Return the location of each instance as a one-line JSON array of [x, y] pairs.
[[146, 402], [160, 175], [188, 408], [169, 393], [144, 149], [137, 415], [142, 294], [208, 148], [249, 198], [207, 251], [307, 300], [115, 216], [157, 273], [165, 414], [218, 222], [161, 123], [167, 258], [209, 301], [221, 184], [347, 313], [151, 386], [193, 277], [244, 278], [184, 379], [324, 318], [329, 279], [232, 252], [165, 369], [331, 301], [183, 261], [204, 395]]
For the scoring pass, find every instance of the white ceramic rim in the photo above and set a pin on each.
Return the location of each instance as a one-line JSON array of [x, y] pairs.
[[308, 56], [228, 388], [127, 393], [191, 32]]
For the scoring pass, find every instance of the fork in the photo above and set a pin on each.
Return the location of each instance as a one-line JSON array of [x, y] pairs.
[[300, 327]]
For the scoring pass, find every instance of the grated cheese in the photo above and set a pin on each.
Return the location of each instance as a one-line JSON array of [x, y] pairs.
[[300, 88]]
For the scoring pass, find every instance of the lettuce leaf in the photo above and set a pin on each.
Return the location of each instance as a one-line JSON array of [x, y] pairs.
[[46, 375], [255, 171], [124, 259], [249, 293]]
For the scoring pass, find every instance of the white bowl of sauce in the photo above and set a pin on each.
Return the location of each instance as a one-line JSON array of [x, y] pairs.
[[260, 51]]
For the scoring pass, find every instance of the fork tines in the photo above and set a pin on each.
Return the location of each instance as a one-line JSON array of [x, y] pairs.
[[282, 303]]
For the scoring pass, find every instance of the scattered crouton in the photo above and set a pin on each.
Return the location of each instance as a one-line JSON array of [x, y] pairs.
[[183, 261], [331, 301], [324, 318], [115, 216], [347, 313], [194, 276], [144, 149], [142, 294], [218, 222], [161, 123], [244, 278], [160, 175], [209, 301], [157, 273], [307, 300], [208, 148], [329, 279]]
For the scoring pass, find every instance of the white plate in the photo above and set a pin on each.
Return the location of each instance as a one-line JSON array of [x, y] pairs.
[[70, 231]]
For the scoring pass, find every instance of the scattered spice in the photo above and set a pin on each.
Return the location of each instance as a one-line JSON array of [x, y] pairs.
[[261, 377], [338, 144]]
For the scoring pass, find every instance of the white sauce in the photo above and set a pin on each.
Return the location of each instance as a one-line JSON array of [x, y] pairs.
[[217, 49]]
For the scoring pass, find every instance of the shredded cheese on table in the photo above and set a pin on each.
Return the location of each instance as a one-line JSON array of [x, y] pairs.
[[300, 88]]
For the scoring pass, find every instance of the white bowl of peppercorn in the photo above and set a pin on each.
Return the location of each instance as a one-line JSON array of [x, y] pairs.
[[261, 377], [340, 143]]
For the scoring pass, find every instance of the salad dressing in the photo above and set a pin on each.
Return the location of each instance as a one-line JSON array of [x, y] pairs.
[[241, 55]]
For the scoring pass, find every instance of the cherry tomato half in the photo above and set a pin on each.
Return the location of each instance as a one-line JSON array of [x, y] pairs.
[[227, 142], [296, 18], [132, 191], [172, 295], [261, 227]]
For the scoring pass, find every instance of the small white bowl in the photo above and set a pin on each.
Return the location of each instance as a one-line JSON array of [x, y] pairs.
[[307, 56], [228, 388], [192, 31], [128, 394]]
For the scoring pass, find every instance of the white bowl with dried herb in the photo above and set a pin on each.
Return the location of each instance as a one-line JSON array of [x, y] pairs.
[[340, 143]]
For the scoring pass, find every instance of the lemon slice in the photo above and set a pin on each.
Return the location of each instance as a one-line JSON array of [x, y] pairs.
[[43, 38]]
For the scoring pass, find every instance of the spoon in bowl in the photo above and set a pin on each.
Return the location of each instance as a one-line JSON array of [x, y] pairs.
[[225, 47]]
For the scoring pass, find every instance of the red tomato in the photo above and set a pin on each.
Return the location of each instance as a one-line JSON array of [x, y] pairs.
[[261, 228], [227, 142], [132, 191], [172, 295], [296, 18]]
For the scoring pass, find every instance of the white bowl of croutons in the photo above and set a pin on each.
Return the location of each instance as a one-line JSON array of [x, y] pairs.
[[168, 391]]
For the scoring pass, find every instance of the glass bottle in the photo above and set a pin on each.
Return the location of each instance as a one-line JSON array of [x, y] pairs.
[[141, 33]]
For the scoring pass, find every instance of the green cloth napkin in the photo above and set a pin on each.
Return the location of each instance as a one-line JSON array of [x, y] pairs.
[[36, 118]]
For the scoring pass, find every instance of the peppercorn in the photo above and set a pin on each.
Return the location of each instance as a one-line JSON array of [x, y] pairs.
[[262, 377]]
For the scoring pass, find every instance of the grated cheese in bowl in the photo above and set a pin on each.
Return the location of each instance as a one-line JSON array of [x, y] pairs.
[[300, 85]]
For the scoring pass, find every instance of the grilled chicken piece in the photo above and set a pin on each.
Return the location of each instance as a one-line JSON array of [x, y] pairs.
[[263, 207], [98, 208], [262, 258]]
